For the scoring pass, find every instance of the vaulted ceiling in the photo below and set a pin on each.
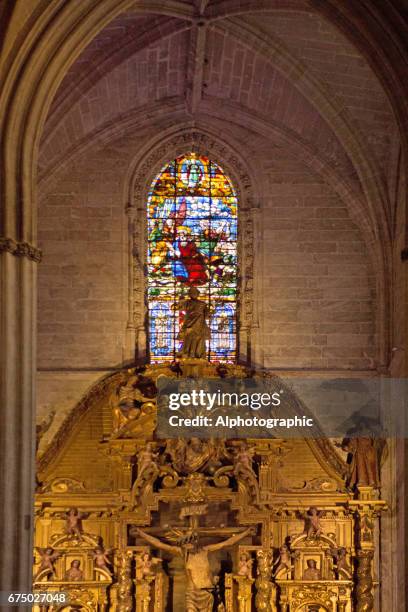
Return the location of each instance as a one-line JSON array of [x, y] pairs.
[[280, 67]]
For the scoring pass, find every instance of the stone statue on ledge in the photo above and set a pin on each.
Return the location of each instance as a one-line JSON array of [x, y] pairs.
[[194, 330], [364, 468]]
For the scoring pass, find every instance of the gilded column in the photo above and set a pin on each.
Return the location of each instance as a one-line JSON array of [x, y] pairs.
[[125, 584], [364, 588], [264, 599], [366, 511], [244, 593]]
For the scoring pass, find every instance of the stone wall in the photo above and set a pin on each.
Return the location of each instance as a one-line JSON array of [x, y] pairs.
[[314, 281], [319, 289], [82, 278]]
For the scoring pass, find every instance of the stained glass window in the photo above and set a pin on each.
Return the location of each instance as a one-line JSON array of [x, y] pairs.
[[192, 241]]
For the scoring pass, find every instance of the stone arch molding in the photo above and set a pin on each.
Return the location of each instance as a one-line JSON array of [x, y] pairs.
[[144, 169]]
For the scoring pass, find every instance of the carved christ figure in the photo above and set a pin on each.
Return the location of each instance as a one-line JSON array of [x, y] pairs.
[[200, 581]]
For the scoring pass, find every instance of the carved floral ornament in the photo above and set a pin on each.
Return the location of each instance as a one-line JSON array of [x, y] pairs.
[[147, 167]]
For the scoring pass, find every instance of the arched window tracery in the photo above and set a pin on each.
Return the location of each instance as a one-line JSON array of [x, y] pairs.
[[192, 241]]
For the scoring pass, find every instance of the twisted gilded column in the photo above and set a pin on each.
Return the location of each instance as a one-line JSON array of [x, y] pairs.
[[18, 269], [364, 587], [125, 583], [366, 511], [264, 599]]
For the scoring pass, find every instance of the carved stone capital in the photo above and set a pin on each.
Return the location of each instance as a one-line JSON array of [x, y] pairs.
[[20, 249]]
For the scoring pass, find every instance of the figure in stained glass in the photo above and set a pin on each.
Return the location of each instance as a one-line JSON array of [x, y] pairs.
[[189, 264], [192, 238]]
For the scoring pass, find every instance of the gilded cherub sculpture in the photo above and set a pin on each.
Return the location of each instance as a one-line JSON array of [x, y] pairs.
[[130, 401], [342, 565], [313, 525], [48, 557], [146, 565], [73, 526], [245, 565], [284, 561], [101, 559]]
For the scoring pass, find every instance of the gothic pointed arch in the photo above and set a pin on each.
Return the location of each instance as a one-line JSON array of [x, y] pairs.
[[145, 169]]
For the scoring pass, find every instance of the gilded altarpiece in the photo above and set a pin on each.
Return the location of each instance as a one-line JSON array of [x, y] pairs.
[[128, 522]]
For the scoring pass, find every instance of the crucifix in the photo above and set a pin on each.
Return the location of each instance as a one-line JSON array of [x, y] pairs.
[[200, 579]]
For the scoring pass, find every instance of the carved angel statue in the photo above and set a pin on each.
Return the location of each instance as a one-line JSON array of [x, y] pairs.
[[101, 559], [147, 467], [131, 400], [200, 581], [73, 526], [243, 470], [146, 565], [245, 565], [175, 450], [48, 557], [74, 573], [42, 428], [313, 526], [284, 561], [342, 565], [218, 452]]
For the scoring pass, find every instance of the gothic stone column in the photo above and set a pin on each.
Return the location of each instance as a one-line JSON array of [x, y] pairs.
[[18, 263]]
